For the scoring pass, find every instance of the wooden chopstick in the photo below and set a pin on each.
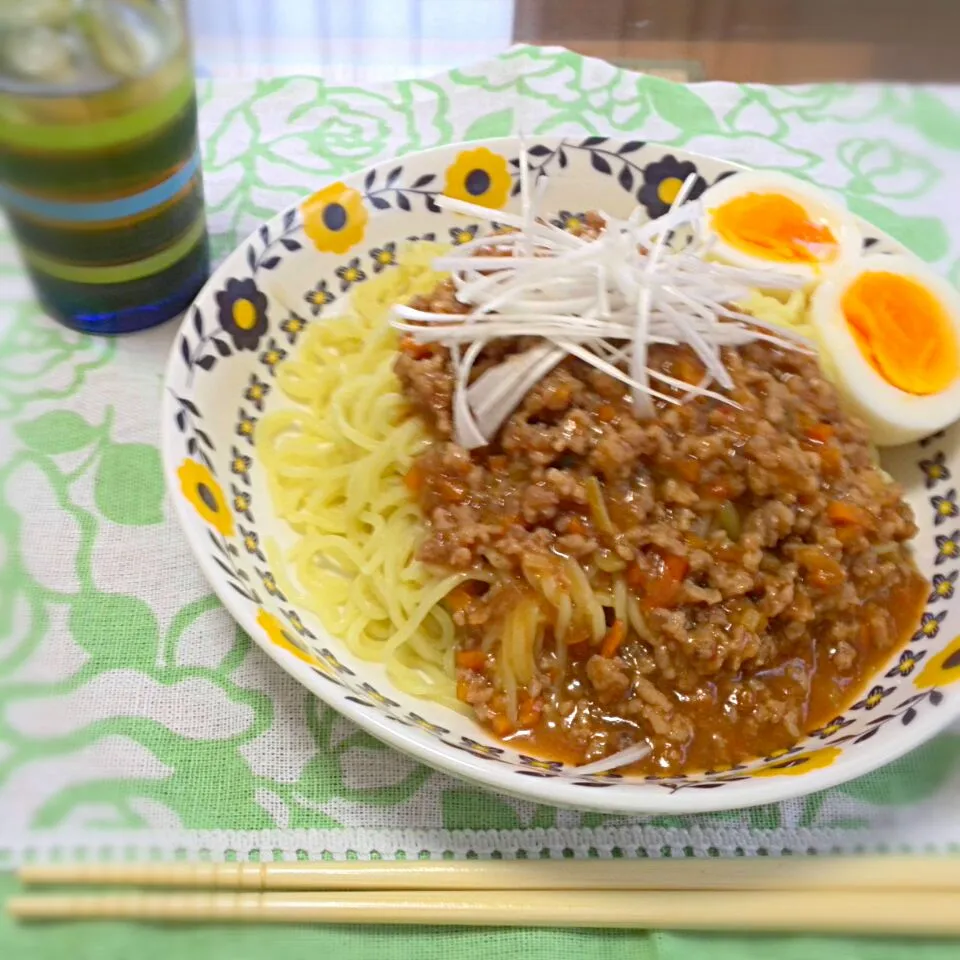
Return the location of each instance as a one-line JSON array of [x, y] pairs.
[[787, 873], [926, 914]]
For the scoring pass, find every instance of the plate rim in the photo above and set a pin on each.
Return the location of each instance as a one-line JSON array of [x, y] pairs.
[[554, 791]]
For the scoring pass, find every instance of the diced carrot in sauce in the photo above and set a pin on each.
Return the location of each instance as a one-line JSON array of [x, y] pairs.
[[688, 469], [463, 689], [498, 463], [819, 432], [688, 370], [615, 636], [414, 479], [636, 578], [412, 348], [840, 513], [449, 490], [471, 660], [676, 568], [502, 725], [530, 711], [577, 526], [606, 412], [728, 552], [665, 588], [830, 460], [848, 534], [786, 477], [661, 587], [822, 570], [459, 598]]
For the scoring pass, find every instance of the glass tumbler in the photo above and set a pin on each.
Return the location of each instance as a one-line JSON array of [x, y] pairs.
[[99, 163]]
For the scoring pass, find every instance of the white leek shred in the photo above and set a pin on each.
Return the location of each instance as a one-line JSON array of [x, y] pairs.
[[604, 301], [632, 754]]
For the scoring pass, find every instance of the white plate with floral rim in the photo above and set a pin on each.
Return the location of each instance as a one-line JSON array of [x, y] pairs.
[[220, 381]]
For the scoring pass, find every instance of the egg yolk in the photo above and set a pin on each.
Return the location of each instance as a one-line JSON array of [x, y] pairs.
[[774, 227], [903, 332]]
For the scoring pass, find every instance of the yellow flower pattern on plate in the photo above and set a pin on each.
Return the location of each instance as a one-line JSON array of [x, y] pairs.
[[334, 218], [479, 176], [203, 492], [272, 627], [799, 763], [941, 669]]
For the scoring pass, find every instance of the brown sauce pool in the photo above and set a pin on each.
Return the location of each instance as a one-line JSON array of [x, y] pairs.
[[722, 736]]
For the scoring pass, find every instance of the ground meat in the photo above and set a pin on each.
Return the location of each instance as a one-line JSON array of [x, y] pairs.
[[844, 656], [609, 678], [771, 522], [424, 369], [787, 544], [655, 709], [428, 385]]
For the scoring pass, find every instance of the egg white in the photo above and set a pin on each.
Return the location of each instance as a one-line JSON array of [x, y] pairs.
[[892, 415], [821, 207]]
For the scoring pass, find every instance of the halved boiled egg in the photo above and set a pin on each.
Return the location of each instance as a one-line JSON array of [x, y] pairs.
[[889, 329], [774, 221]]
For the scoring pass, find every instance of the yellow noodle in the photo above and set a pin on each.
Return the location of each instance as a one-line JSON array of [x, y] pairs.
[[490, 637], [524, 622], [508, 648], [539, 636], [335, 466], [620, 599], [598, 506], [560, 649], [585, 602], [509, 683], [609, 562], [561, 624], [637, 620]]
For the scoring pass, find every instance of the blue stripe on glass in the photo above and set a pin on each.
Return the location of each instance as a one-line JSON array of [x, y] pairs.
[[133, 319], [105, 210]]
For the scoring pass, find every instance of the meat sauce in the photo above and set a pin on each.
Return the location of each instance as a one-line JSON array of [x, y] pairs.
[[761, 556]]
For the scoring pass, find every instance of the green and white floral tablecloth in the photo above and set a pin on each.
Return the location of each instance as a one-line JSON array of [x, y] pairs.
[[137, 720]]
